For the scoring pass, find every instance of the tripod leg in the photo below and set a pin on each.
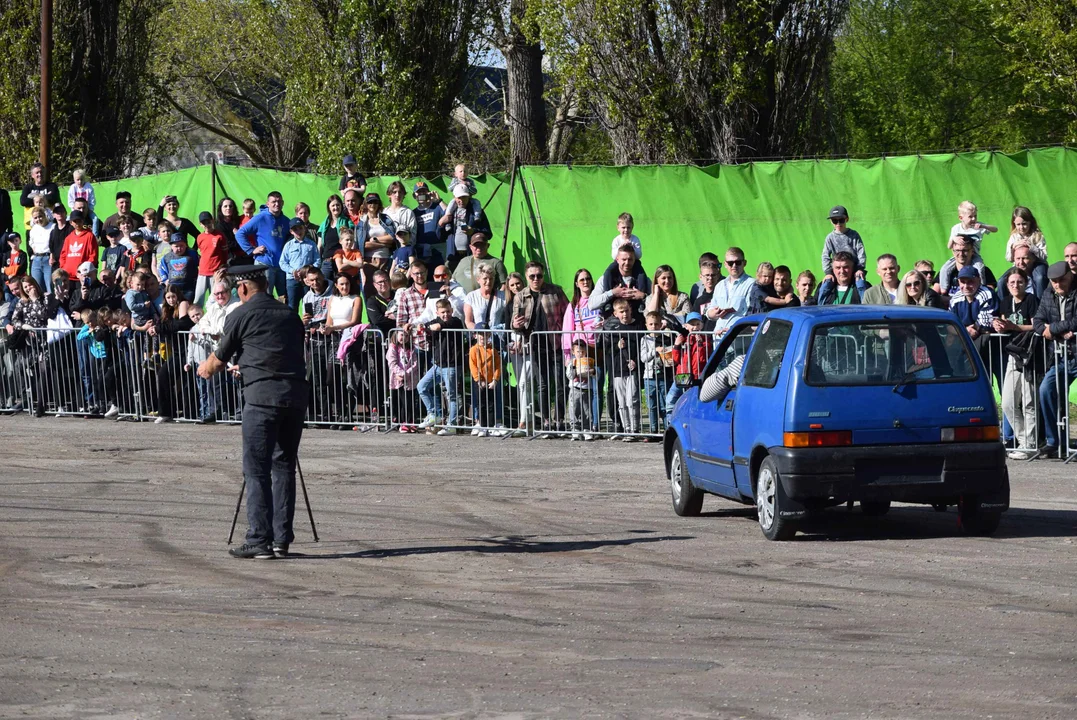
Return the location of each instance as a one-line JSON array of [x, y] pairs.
[[235, 517], [306, 499]]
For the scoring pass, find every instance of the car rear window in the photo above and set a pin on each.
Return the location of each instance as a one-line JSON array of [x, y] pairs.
[[889, 352]]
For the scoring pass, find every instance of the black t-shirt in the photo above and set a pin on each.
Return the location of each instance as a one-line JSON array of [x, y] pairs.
[[267, 338], [702, 300], [357, 180], [1019, 313], [376, 306], [56, 241]]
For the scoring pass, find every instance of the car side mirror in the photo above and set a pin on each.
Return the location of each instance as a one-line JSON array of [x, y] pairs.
[[685, 380]]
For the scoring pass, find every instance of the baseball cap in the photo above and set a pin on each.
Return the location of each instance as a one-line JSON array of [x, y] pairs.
[[204, 217], [373, 196], [838, 211], [123, 195], [481, 326], [692, 316], [350, 160], [294, 223], [113, 231], [479, 237], [86, 267], [177, 239], [461, 190], [59, 208], [1057, 270], [76, 216], [8, 237], [967, 273], [418, 187]]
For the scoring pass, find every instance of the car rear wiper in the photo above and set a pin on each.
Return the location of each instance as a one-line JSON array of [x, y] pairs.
[[909, 376]]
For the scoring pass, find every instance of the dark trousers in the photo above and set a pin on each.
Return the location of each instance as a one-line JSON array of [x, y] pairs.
[[271, 438]]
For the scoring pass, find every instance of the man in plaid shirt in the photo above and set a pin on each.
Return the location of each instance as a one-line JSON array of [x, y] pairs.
[[410, 303]]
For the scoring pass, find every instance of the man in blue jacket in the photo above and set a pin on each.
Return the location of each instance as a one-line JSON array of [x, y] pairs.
[[263, 238]]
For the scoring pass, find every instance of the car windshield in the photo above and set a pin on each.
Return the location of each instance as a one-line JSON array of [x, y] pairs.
[[888, 352]]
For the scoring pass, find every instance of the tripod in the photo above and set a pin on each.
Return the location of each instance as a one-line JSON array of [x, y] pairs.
[[306, 499]]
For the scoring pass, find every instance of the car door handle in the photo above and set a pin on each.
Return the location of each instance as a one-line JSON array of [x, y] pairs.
[[729, 404]]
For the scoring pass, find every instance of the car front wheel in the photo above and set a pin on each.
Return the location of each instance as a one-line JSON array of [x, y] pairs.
[[687, 499], [770, 502]]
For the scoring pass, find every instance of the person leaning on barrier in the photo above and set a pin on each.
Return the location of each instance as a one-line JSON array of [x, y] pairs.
[[1017, 309], [1056, 320], [377, 299], [93, 294], [266, 337]]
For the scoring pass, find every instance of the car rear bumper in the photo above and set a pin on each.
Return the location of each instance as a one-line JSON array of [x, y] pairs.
[[903, 473]]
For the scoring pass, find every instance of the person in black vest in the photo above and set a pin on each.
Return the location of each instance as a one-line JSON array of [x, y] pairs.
[[267, 338], [624, 278]]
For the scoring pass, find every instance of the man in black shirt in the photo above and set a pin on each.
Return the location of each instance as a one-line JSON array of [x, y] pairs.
[[39, 186], [267, 337], [123, 210]]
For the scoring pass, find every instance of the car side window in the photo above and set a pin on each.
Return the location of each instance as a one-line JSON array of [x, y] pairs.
[[735, 343], [768, 351]]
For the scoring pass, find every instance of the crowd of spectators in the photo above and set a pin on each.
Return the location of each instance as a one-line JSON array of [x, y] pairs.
[[149, 290]]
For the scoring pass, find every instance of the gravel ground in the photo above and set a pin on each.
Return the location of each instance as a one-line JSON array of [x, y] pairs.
[[482, 578]]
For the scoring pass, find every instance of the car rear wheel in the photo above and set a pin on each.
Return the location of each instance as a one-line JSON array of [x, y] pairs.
[[687, 498], [874, 508], [974, 520], [770, 502]]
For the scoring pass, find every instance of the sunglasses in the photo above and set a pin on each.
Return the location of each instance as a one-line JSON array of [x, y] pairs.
[[734, 263], [913, 284], [534, 277], [838, 220], [441, 277]]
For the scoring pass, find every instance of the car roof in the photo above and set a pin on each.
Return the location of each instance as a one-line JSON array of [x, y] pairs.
[[826, 314]]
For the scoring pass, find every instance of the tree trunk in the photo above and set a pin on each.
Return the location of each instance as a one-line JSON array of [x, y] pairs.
[[525, 110]]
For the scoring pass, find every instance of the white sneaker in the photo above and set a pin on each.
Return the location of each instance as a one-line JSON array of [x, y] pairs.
[[427, 422], [613, 438], [577, 436], [476, 432], [162, 419], [628, 438], [113, 411], [484, 433], [588, 437], [447, 431], [499, 430], [1019, 454]]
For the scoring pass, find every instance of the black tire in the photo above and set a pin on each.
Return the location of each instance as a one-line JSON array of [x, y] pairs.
[[769, 503], [975, 521], [687, 498], [874, 508]]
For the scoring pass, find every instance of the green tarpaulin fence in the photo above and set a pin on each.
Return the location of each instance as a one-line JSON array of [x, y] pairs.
[[775, 211]]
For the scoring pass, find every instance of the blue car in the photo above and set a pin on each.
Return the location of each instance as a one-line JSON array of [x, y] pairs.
[[802, 409]]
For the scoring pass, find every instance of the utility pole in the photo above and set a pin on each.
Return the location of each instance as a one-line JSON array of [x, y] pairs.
[[46, 79]]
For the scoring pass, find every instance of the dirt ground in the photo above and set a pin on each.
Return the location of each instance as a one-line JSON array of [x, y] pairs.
[[483, 578]]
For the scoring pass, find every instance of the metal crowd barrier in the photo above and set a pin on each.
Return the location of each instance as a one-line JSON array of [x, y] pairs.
[[592, 385]]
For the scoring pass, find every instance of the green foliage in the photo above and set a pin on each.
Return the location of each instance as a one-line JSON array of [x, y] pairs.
[[19, 89], [1042, 49], [923, 75]]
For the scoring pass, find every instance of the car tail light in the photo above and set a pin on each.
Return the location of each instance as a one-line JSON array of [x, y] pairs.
[[828, 438], [979, 433]]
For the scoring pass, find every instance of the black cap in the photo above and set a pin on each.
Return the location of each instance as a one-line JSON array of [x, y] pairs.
[[8, 237], [349, 160], [76, 216], [838, 211], [177, 239], [113, 231], [59, 208], [247, 272], [1057, 270], [372, 196], [123, 195], [205, 217], [294, 223]]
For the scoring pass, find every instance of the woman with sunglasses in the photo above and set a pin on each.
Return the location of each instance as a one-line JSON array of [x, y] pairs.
[[914, 290]]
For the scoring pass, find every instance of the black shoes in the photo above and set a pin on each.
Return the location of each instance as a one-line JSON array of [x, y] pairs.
[[251, 550], [280, 550]]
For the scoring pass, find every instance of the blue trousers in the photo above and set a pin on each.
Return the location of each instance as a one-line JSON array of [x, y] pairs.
[[1049, 398], [427, 391], [296, 290], [277, 280], [41, 271]]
